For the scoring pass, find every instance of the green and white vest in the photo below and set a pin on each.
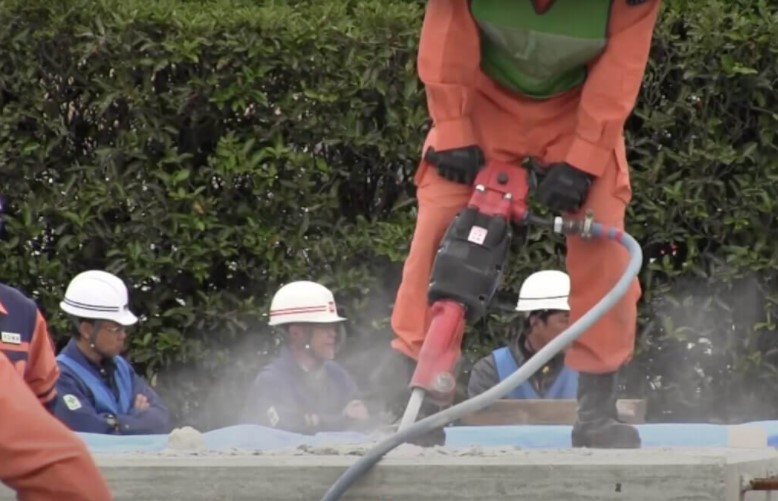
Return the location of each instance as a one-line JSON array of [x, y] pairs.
[[540, 55]]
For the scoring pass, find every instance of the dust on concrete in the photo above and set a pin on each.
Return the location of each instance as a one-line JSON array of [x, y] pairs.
[[403, 450], [188, 441], [186, 438], [339, 449]]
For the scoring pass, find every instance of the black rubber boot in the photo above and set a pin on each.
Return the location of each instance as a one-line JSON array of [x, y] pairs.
[[436, 436], [392, 378], [389, 380], [597, 425]]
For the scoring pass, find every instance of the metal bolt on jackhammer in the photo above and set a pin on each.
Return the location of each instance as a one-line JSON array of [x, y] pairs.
[[588, 221], [444, 382]]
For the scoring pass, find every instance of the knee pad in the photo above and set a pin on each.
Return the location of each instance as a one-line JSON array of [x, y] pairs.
[[470, 261]]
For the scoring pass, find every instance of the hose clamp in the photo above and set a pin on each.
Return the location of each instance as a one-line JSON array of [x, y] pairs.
[[588, 222]]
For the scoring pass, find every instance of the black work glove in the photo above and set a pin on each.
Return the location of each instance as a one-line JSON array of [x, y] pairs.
[[460, 165], [564, 188]]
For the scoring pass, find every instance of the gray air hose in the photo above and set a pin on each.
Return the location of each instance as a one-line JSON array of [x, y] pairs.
[[535, 363]]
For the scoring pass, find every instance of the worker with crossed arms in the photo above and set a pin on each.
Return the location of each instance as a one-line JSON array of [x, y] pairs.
[[552, 80], [99, 391]]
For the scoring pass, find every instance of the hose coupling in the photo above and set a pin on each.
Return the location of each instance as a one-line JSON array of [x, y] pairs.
[[582, 227]]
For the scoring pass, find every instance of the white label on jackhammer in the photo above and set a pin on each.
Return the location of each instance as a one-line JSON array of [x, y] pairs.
[[477, 235]]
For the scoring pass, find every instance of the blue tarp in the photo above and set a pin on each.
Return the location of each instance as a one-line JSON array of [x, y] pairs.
[[527, 437]]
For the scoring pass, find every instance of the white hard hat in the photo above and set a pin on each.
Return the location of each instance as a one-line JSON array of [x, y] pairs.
[[303, 302], [98, 295], [544, 290]]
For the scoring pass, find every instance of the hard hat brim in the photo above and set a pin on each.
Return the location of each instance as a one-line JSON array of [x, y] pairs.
[[125, 318]]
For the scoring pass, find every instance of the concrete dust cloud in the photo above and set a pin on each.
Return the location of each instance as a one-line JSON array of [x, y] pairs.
[[697, 346], [701, 342], [367, 353], [213, 392]]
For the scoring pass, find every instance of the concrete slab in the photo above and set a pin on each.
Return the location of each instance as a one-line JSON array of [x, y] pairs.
[[414, 474]]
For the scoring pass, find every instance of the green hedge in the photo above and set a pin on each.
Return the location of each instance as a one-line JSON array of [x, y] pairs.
[[210, 151]]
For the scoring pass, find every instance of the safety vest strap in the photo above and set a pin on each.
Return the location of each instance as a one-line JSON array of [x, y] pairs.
[[505, 364], [105, 400], [565, 385]]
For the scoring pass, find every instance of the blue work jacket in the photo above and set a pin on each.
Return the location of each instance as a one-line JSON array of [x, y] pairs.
[[89, 400]]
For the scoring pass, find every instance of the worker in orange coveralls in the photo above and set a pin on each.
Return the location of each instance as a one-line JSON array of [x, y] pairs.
[[26, 342], [554, 80], [39, 457]]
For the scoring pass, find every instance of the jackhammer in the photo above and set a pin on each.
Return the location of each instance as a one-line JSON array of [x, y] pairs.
[[465, 276]]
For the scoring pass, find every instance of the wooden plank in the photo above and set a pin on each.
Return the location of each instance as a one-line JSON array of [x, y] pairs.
[[555, 412], [746, 436]]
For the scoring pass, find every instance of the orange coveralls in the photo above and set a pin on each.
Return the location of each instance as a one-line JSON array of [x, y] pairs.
[[39, 457], [582, 126]]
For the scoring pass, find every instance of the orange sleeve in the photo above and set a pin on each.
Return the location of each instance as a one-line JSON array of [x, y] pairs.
[[449, 62], [39, 457], [612, 86], [42, 369]]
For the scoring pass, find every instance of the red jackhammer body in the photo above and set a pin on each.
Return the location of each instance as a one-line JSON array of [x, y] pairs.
[[467, 271]]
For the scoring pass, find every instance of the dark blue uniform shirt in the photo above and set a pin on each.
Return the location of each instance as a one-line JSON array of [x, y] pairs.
[[286, 397]]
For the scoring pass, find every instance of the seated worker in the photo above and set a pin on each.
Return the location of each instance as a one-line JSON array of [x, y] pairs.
[[304, 390], [543, 297], [98, 390], [27, 344]]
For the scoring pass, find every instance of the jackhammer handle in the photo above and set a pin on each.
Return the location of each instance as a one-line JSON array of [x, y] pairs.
[[536, 171]]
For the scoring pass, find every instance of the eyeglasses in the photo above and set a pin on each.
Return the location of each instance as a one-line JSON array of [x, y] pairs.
[[115, 329]]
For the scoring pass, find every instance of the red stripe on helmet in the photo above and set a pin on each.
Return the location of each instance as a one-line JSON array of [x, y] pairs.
[[292, 311]]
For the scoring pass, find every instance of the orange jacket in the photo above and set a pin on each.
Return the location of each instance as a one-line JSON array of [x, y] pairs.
[[27, 344], [39, 457], [449, 65]]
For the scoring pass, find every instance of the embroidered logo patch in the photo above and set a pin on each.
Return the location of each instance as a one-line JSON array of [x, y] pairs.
[[72, 402]]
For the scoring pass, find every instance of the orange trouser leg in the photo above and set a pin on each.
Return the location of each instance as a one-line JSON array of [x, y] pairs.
[[511, 128], [594, 267], [439, 200]]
